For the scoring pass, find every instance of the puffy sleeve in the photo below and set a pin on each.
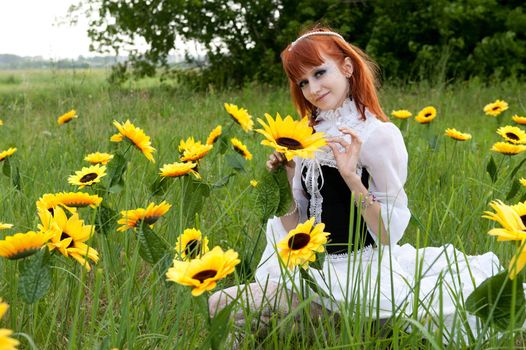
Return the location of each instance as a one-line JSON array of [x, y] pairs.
[[298, 193], [384, 156]]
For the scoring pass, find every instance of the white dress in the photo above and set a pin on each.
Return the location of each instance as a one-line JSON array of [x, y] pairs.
[[383, 281]]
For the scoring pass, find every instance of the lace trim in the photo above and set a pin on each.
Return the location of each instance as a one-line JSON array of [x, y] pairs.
[[329, 121], [365, 252]]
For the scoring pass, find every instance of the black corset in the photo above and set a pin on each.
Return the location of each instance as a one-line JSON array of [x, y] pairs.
[[336, 213]]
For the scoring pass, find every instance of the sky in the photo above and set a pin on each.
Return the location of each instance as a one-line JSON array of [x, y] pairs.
[[31, 28]]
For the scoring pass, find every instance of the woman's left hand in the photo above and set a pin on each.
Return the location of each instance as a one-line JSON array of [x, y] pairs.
[[347, 159]]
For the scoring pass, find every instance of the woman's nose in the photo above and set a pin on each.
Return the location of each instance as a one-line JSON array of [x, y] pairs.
[[314, 87]]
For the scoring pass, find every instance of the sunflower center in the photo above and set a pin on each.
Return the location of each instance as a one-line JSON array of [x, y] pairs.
[[495, 108], [88, 177], [523, 218], [427, 115], [201, 276], [289, 143], [235, 119], [24, 253], [152, 219], [193, 248], [239, 150], [64, 236], [298, 241], [512, 136]]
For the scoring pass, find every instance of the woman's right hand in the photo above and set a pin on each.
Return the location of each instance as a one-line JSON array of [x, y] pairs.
[[276, 159]]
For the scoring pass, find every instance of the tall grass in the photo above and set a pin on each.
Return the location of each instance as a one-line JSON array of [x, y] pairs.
[[126, 303]]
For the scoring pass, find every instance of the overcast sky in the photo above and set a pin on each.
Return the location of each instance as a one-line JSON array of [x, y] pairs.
[[29, 28]]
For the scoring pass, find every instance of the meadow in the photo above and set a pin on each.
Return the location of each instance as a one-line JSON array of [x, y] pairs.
[[125, 302]]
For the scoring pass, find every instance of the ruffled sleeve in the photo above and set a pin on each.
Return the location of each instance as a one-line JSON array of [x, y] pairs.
[[298, 193], [384, 156]]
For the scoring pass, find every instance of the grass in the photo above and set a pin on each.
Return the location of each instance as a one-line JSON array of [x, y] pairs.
[[125, 302]]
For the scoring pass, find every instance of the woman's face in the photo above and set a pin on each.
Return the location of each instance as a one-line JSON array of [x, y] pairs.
[[326, 85]]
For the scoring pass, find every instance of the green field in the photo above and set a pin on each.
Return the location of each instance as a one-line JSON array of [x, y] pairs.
[[125, 302]]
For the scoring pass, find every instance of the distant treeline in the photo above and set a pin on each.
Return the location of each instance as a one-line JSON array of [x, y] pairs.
[[410, 39], [9, 61]]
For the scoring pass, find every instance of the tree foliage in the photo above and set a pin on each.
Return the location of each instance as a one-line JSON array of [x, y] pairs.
[[243, 38]]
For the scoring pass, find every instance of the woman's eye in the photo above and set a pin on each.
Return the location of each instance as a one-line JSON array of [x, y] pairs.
[[302, 84], [319, 73]]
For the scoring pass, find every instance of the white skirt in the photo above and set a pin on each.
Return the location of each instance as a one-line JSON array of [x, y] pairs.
[[389, 280]]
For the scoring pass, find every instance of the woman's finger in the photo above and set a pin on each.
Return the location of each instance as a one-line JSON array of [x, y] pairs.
[[352, 133]]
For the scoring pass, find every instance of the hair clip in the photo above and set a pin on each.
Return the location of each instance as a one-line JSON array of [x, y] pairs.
[[314, 33]]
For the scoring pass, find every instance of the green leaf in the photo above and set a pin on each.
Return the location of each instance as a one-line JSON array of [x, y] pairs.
[[318, 263], [491, 168], [160, 186], [236, 161], [285, 193], [223, 182], [6, 169], [219, 327], [312, 283], [15, 178], [116, 170], [35, 276], [492, 300], [151, 247], [515, 186], [267, 196], [516, 169], [106, 219], [195, 193]]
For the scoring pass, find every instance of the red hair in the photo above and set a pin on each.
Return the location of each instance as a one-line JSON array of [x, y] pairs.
[[307, 53]]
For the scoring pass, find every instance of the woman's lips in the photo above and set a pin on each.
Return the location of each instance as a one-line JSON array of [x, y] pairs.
[[322, 96]]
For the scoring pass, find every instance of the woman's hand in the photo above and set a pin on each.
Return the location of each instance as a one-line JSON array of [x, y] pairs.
[[276, 159], [346, 160]]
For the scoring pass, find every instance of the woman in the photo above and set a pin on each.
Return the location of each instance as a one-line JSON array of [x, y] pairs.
[[362, 171]]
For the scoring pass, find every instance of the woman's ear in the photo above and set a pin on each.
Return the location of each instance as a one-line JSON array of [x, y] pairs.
[[348, 68]]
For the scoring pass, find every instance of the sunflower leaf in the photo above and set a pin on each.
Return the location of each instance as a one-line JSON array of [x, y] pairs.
[[223, 181], [312, 283], [267, 196], [35, 277], [151, 247], [159, 186], [491, 168], [6, 169], [492, 300], [515, 186], [236, 162], [285, 194], [219, 327], [516, 169], [116, 169], [106, 219], [194, 195]]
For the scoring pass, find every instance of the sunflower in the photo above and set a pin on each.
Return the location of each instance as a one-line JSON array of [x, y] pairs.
[[179, 169], [240, 148], [195, 151], [69, 235], [21, 245], [401, 114], [426, 115], [495, 108], [214, 135], [507, 148], [513, 227], [6, 342], [301, 244], [254, 183], [512, 134], [291, 137], [191, 244], [5, 226], [518, 261], [132, 218], [457, 135], [88, 176], [203, 273], [8, 153], [186, 144], [1, 122], [98, 158], [240, 116], [136, 136], [520, 209], [67, 117], [522, 181], [78, 199], [518, 119]]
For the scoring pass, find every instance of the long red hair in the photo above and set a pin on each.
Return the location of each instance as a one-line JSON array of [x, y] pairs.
[[307, 53]]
